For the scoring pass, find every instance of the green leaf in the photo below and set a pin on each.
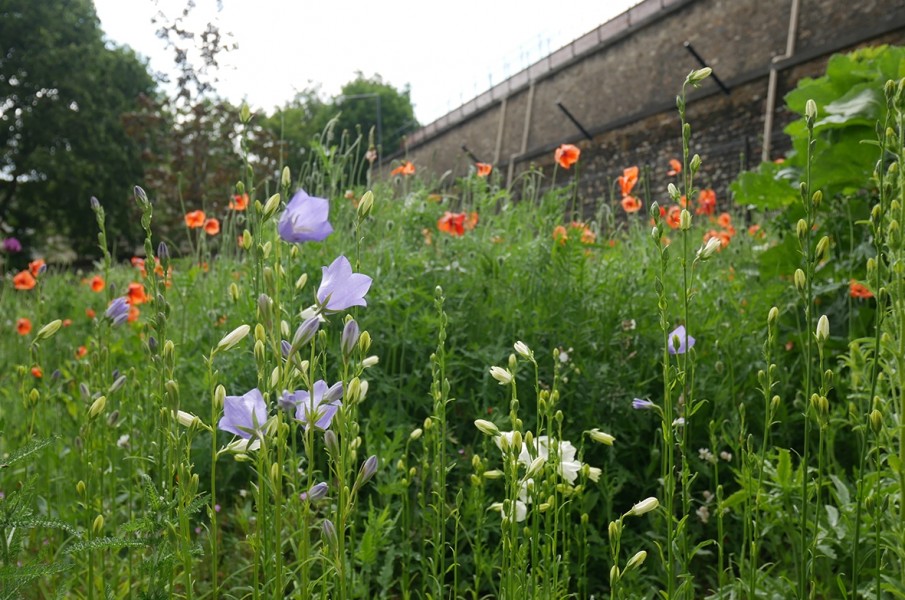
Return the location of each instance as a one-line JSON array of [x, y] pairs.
[[772, 186]]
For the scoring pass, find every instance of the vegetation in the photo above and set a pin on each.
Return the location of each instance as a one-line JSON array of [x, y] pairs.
[[407, 391]]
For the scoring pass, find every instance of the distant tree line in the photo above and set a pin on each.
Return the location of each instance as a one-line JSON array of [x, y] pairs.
[[81, 117]]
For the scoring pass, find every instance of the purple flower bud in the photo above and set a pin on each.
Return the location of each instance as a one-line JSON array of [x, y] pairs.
[[152, 344], [329, 531], [42, 269], [83, 388], [56, 374], [118, 311], [163, 251], [95, 204], [349, 337], [305, 332], [642, 404], [140, 196], [368, 468], [316, 492], [285, 348], [331, 442]]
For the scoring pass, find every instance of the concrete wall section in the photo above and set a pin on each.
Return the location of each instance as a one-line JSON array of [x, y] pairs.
[[620, 80]]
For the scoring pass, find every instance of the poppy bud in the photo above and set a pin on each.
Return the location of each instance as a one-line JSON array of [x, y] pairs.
[[365, 205], [285, 177], [232, 338], [97, 407]]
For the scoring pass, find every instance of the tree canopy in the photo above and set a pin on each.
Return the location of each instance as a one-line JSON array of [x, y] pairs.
[[65, 94]]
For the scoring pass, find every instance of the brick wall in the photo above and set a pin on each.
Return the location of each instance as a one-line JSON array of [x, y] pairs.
[[620, 80]]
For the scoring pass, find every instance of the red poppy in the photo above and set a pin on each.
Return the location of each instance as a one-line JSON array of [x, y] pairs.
[[483, 169], [725, 220], [239, 202], [674, 216], [67, 322], [567, 155], [560, 235], [857, 290], [35, 266], [139, 263], [81, 352], [452, 223], [706, 202], [630, 204], [194, 219], [471, 220], [136, 294], [406, 168], [24, 281], [212, 226], [675, 167], [23, 326], [37, 373], [97, 284], [89, 312], [627, 180], [133, 314]]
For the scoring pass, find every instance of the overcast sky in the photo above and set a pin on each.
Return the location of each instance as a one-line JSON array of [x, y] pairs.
[[446, 51]]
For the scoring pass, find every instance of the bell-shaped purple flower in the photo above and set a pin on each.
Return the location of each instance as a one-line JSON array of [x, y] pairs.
[[679, 341], [305, 219], [12, 245], [642, 404], [118, 311], [341, 288], [319, 407], [244, 415]]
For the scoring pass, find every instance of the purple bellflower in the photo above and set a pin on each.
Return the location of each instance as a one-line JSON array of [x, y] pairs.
[[305, 219], [341, 288], [321, 408], [244, 415], [118, 311], [679, 341]]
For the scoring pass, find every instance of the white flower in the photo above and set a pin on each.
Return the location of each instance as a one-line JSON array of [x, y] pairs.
[[601, 437], [502, 375]]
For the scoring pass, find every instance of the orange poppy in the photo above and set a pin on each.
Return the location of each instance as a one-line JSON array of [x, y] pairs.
[[139, 263], [560, 235], [630, 204], [81, 352], [239, 202], [35, 266], [567, 155], [24, 281], [212, 226], [37, 373], [23, 326], [452, 223], [136, 294], [133, 314], [483, 169], [89, 312], [194, 219], [674, 216], [627, 180], [406, 168], [857, 290], [725, 220], [67, 322], [706, 202], [97, 284], [675, 167], [471, 219]]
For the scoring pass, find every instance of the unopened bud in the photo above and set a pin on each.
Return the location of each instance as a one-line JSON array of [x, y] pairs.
[[645, 506], [366, 204], [285, 177], [487, 427], [800, 281], [48, 330], [685, 220], [271, 206], [823, 329], [98, 524], [97, 407], [231, 339]]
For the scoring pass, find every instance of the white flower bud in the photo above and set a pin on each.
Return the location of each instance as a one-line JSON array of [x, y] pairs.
[[502, 375], [232, 338]]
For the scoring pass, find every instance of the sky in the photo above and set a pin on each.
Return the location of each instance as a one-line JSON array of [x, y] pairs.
[[445, 51]]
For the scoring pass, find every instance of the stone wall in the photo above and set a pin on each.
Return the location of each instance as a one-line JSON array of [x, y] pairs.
[[620, 80]]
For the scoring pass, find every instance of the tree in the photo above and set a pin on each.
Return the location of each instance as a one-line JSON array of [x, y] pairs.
[[292, 129], [63, 98]]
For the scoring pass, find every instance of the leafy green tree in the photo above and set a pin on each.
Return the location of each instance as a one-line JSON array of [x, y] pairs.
[[64, 94]]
